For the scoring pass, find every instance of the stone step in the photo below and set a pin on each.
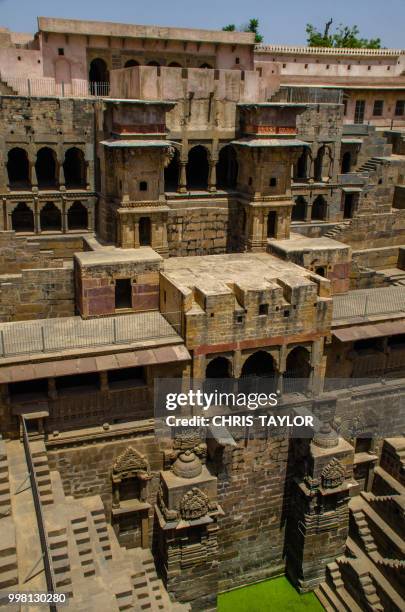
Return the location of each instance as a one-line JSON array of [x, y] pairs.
[[8, 578], [8, 562], [47, 499]]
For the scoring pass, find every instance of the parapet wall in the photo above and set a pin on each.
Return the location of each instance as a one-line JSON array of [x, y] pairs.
[[161, 83]]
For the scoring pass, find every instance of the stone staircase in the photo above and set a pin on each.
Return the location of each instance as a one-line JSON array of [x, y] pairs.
[[364, 579], [8, 549], [42, 472], [88, 562], [5, 503], [6, 89], [371, 165], [337, 229], [363, 531]]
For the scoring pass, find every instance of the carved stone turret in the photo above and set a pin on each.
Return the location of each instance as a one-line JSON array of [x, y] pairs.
[[187, 512], [319, 517]]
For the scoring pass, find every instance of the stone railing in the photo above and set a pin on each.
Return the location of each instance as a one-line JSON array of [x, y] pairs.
[[77, 88], [302, 50]]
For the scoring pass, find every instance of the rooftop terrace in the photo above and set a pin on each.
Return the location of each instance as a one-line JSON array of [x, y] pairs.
[[216, 273]]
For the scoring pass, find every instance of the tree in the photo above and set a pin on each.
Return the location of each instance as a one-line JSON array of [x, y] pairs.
[[229, 28], [344, 36], [252, 26]]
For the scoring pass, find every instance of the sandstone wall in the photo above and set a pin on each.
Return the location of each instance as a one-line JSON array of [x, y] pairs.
[[197, 231], [251, 489], [37, 294]]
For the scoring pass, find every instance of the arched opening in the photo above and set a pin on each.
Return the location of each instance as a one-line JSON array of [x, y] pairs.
[[346, 162], [298, 369], [299, 209], [301, 169], [318, 212], [145, 231], [271, 224], [153, 63], [197, 168], [45, 167], [99, 77], [22, 218], [258, 374], [227, 168], [205, 65], [220, 367], [175, 65], [318, 165], [98, 72], [77, 217], [172, 173], [320, 270], [259, 364], [74, 168], [18, 169], [50, 218], [130, 63]]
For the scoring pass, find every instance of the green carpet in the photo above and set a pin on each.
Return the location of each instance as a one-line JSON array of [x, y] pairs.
[[277, 595]]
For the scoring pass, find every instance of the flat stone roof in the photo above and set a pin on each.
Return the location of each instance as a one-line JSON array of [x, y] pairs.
[[112, 255], [131, 144], [270, 142], [126, 30], [217, 273], [303, 243]]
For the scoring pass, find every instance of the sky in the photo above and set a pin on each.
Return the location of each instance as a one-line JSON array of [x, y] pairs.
[[281, 22]]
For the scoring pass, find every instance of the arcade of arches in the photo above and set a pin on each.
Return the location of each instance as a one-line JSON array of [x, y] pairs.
[[46, 169], [49, 218], [202, 173], [261, 364]]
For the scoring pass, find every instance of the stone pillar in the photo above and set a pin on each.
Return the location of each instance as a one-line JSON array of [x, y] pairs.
[[52, 392], [90, 219], [33, 176], [104, 381], [6, 217], [64, 216], [182, 188], [37, 217], [212, 176], [86, 175], [308, 212], [61, 176]]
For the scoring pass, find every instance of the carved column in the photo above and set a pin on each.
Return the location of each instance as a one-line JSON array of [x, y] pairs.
[[212, 176], [182, 188], [37, 217], [61, 175], [33, 176]]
